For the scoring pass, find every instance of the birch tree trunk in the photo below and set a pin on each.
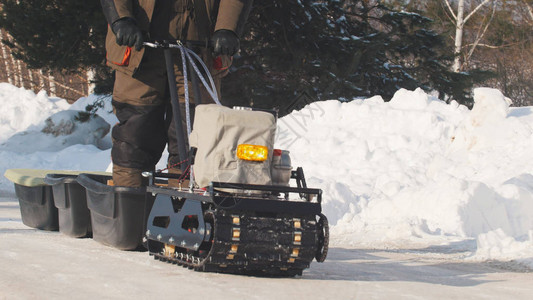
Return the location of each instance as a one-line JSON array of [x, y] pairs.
[[460, 21], [459, 26], [91, 75]]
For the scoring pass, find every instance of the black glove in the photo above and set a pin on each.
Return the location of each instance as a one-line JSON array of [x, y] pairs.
[[128, 33], [225, 42]]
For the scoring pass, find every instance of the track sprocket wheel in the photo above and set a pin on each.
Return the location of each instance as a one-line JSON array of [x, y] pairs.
[[323, 238]]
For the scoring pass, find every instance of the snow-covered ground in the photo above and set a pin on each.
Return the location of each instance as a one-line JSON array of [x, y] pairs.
[[416, 190]]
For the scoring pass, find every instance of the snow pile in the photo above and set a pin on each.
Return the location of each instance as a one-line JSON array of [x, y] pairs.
[[413, 172], [22, 108], [61, 130], [498, 245], [23, 144], [105, 109], [416, 171]]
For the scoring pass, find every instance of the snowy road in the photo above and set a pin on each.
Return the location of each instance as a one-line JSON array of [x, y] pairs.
[[44, 265]]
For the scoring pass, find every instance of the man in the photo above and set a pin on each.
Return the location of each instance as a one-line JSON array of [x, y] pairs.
[[140, 94]]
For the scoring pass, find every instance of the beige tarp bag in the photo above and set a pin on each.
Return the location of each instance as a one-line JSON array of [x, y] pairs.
[[217, 132]]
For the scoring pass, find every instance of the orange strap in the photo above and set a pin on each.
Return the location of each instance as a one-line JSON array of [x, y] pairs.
[[125, 59]]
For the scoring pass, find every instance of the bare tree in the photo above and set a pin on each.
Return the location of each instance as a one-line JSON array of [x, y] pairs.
[[497, 38], [460, 21], [529, 9]]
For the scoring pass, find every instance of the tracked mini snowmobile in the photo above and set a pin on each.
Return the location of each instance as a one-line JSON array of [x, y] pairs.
[[238, 213]]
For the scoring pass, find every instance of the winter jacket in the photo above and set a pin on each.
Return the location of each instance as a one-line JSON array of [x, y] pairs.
[[220, 14]]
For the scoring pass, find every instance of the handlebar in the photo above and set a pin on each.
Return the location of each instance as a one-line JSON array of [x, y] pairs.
[[177, 44]]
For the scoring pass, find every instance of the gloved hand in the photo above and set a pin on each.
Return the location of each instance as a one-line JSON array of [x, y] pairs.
[[128, 33], [225, 42]]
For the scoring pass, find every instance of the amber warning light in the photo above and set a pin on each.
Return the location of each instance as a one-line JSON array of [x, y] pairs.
[[252, 152]]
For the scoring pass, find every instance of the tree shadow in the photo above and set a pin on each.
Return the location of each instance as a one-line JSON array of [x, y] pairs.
[[520, 112], [405, 265], [6, 195], [10, 220], [451, 248], [18, 230], [9, 207]]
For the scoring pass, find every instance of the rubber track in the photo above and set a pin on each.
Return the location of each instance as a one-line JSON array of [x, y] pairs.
[[266, 245]]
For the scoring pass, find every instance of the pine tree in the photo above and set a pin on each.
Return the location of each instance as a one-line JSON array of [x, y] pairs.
[[60, 35], [339, 50]]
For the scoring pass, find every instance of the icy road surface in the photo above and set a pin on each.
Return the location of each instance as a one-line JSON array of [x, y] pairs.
[[48, 265]]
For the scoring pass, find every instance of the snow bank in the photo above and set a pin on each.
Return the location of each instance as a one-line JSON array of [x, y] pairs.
[[416, 171], [496, 245], [22, 108], [61, 130], [412, 172]]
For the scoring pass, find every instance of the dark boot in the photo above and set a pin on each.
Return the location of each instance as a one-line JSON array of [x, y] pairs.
[[128, 177]]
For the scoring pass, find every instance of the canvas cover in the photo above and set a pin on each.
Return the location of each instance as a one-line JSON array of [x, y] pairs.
[[217, 132]]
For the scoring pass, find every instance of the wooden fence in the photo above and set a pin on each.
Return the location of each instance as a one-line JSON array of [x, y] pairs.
[[67, 86]]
